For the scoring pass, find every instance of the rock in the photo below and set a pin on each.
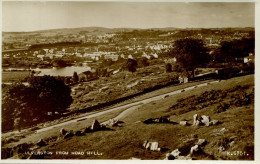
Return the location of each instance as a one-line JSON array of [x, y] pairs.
[[194, 149], [112, 122], [195, 120], [201, 142], [145, 143], [231, 144], [205, 120], [214, 122], [41, 143], [68, 135], [223, 130], [169, 156], [87, 130], [151, 146], [63, 131], [95, 125], [155, 146], [175, 153], [148, 121], [221, 149], [78, 133], [183, 123]]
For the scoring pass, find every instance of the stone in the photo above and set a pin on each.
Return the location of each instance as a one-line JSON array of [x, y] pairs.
[[95, 125], [214, 122], [78, 133], [154, 146], [68, 135], [221, 149], [205, 120], [112, 122], [148, 121], [231, 144], [169, 156], [145, 143], [201, 142], [223, 130], [195, 119], [175, 153], [151, 146], [183, 123], [41, 143], [87, 130], [63, 131], [194, 149]]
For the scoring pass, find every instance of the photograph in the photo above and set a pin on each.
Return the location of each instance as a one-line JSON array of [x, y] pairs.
[[128, 80]]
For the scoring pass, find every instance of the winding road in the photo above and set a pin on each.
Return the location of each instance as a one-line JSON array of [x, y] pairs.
[[130, 107]]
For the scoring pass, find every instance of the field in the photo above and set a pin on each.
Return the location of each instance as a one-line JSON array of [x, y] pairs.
[[125, 141], [14, 76]]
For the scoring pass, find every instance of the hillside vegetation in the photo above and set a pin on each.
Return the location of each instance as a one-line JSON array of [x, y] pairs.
[[231, 102]]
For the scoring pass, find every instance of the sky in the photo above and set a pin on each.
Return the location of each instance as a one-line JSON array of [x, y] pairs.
[[42, 15]]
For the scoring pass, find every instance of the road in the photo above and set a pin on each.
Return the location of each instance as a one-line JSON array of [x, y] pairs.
[[130, 107]]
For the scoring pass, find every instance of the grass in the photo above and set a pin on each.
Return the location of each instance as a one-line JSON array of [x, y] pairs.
[[14, 76], [126, 141]]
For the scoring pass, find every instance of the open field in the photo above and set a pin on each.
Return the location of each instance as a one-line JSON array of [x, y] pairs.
[[14, 76], [126, 141]]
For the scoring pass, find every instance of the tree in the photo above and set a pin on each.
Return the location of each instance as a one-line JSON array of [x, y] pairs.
[[131, 65], [59, 63], [75, 77], [190, 53], [52, 94], [18, 106]]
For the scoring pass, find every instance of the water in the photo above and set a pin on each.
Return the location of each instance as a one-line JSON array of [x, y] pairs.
[[63, 71]]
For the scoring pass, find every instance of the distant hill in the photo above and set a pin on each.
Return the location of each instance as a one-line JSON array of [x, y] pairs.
[[110, 30]]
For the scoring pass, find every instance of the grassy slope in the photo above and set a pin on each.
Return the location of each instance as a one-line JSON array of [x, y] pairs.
[[125, 142], [14, 76]]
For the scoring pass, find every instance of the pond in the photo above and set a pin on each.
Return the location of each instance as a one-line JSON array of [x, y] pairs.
[[62, 71]]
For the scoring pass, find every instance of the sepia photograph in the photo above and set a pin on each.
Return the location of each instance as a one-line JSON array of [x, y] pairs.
[[118, 80]]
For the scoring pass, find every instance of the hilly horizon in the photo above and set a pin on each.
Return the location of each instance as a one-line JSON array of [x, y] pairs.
[[124, 29]]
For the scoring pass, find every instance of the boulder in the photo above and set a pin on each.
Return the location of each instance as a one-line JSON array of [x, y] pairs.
[[231, 144], [112, 122], [41, 143], [78, 133], [169, 156], [214, 122], [155, 146], [151, 146], [201, 142], [63, 131], [205, 120], [148, 121], [95, 125], [68, 135], [195, 120], [183, 123], [176, 153], [194, 149], [87, 130]]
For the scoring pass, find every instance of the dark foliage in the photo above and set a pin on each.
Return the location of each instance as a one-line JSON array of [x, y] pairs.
[[190, 53], [131, 65], [23, 105]]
